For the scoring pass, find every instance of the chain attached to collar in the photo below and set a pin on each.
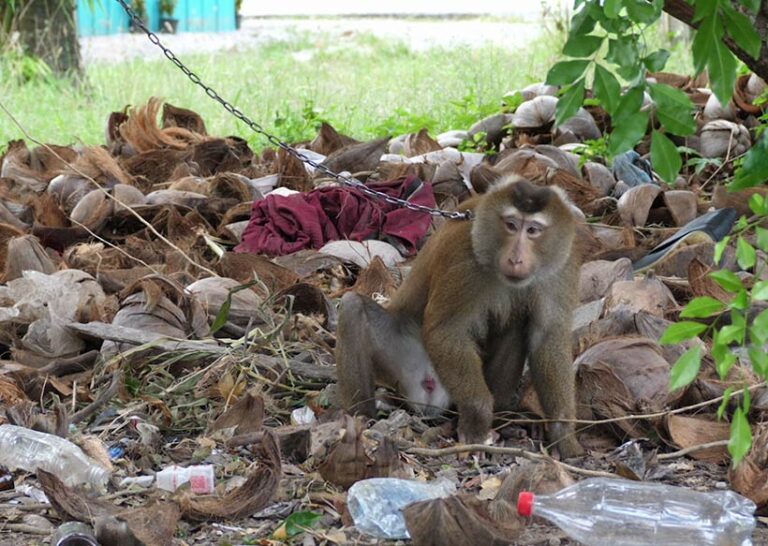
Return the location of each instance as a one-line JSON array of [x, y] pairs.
[[342, 178]]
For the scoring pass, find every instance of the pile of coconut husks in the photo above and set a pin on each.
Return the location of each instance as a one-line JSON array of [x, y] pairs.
[[169, 299]]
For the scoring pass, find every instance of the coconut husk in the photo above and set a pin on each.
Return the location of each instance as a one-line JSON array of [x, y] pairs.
[[156, 166], [624, 376], [96, 164], [597, 277], [328, 140], [703, 285], [194, 184], [51, 158], [681, 82], [16, 167], [230, 186], [357, 157], [750, 477], [233, 232], [68, 190], [130, 196], [682, 205], [721, 138], [176, 197], [7, 233], [649, 295], [448, 182], [10, 218], [495, 128], [308, 299], [215, 155], [713, 109], [90, 257], [375, 279], [688, 431], [600, 177], [635, 204], [420, 143], [143, 134], [536, 114], [114, 140], [748, 88], [93, 210], [213, 292], [564, 160], [174, 116], [292, 172], [582, 125], [25, 253], [675, 262], [246, 267], [483, 176]]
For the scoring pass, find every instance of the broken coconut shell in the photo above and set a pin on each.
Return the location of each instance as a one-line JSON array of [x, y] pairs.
[[635, 204], [25, 253], [721, 138], [93, 210], [649, 295], [596, 277], [600, 177], [688, 431]]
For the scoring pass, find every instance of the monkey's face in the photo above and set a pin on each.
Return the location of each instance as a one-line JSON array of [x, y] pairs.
[[523, 231]]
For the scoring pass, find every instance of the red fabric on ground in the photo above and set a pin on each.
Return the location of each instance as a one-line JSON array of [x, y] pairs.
[[282, 225]]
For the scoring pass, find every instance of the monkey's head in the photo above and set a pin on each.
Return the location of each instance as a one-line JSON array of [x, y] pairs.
[[523, 231]]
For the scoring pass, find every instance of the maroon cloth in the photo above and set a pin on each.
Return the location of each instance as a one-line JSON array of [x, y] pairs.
[[285, 224]]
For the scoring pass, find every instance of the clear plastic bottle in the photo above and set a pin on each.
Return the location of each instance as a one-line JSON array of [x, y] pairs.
[[30, 450], [611, 512], [376, 504]]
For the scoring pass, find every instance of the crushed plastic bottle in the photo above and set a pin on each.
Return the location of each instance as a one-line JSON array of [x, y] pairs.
[[201, 478], [30, 450], [74, 533], [376, 504], [611, 512]]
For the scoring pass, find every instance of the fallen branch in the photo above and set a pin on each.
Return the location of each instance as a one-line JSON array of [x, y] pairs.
[[691, 449]]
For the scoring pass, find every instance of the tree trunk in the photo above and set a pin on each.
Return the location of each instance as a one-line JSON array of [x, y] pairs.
[[48, 30], [682, 10]]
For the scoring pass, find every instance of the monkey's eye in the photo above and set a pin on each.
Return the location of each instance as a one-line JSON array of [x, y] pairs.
[[511, 226], [534, 230]]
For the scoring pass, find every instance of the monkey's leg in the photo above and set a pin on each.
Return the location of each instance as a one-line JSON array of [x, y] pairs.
[[355, 356], [554, 380], [504, 366]]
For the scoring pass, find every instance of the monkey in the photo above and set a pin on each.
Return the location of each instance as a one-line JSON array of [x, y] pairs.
[[482, 297], [382, 348]]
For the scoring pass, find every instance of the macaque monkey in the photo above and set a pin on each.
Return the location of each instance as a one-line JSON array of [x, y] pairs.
[[483, 296]]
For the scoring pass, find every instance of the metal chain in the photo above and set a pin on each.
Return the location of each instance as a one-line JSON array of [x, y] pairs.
[[343, 178]]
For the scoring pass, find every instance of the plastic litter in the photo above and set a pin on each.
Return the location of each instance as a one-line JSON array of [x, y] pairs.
[[30, 450], [376, 504], [74, 533], [201, 478], [609, 512]]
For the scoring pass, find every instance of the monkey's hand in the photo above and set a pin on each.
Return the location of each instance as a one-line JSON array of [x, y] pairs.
[[565, 441], [475, 419]]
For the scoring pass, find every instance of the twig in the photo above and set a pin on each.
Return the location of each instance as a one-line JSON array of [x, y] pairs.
[[692, 449], [149, 226], [24, 528], [103, 398], [498, 450]]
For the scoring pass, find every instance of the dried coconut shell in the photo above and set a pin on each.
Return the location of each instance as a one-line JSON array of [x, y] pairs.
[[195, 184], [97, 165], [682, 205], [130, 196], [748, 88], [600, 177], [93, 210], [212, 292], [597, 277], [419, 143], [230, 186], [649, 295], [688, 431], [721, 138], [357, 157], [176, 197], [328, 140], [362, 253], [246, 267], [448, 181], [375, 279], [69, 189], [739, 200], [750, 478], [495, 128], [25, 253], [156, 166], [174, 116], [537, 113], [714, 110], [10, 392], [7, 232], [582, 125], [675, 263], [16, 167], [482, 177], [16, 217], [703, 285], [635, 204], [624, 376]]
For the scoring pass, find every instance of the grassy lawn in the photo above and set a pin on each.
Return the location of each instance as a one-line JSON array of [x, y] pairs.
[[365, 88]]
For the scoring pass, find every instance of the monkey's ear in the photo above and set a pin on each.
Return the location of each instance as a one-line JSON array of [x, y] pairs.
[[565, 198]]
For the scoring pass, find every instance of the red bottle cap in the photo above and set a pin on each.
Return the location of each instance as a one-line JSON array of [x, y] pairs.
[[525, 503]]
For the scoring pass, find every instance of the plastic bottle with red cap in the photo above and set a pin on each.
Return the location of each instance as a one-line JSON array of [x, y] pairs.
[[612, 512]]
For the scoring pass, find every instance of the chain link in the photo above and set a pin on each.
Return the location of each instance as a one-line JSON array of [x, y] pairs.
[[343, 178]]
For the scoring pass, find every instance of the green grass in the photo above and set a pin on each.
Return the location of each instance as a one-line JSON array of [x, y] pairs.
[[366, 89]]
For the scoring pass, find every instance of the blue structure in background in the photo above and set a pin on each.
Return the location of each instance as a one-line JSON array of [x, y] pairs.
[[108, 17]]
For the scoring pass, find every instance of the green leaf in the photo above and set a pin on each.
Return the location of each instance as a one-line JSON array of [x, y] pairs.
[[664, 157], [760, 291], [720, 247], [223, 315], [629, 105], [745, 254], [761, 323], [724, 404], [705, 8], [612, 8], [741, 301], [566, 72], [569, 102], [680, 331], [730, 333], [298, 522], [727, 279], [757, 203], [607, 88], [754, 169], [722, 72], [759, 360], [622, 52], [674, 109], [628, 132], [685, 369], [702, 307], [709, 32], [751, 5], [579, 45], [582, 22], [742, 30], [656, 61], [762, 238], [642, 11], [741, 437]]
